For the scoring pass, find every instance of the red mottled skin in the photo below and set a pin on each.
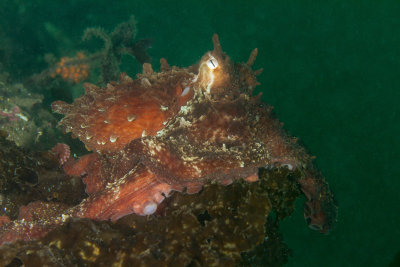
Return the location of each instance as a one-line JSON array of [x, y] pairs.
[[62, 152], [319, 208], [174, 131]]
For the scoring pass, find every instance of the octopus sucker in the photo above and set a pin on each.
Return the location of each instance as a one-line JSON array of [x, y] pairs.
[[176, 130], [149, 208]]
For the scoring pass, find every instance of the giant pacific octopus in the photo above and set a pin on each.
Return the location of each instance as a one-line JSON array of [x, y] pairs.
[[175, 130]]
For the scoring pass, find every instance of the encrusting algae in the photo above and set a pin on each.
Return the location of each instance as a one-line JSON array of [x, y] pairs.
[[221, 225]]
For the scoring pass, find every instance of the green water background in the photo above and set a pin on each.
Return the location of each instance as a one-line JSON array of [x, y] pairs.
[[331, 70]]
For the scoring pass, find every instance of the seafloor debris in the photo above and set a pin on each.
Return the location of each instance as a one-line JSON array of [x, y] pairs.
[[26, 177], [27, 123]]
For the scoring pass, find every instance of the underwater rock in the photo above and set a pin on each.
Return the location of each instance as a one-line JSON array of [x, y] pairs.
[[26, 122], [27, 176], [212, 228]]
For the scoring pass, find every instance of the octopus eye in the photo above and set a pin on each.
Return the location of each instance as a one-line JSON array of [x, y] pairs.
[[212, 63]]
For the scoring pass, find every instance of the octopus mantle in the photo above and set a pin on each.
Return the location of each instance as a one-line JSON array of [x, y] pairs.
[[174, 131]]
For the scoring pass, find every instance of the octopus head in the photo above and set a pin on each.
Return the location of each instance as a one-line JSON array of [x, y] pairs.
[[214, 70], [218, 75]]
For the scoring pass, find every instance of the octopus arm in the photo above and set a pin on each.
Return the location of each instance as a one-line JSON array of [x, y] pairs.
[[138, 192], [89, 168]]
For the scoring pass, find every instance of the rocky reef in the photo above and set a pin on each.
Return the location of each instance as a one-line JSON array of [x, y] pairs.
[[221, 225], [26, 122], [32, 176]]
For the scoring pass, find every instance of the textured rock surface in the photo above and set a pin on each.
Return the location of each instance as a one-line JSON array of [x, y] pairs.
[[212, 228], [22, 117], [26, 177]]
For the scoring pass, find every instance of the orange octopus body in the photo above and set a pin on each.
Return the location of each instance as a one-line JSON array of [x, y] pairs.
[[173, 131], [177, 127]]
